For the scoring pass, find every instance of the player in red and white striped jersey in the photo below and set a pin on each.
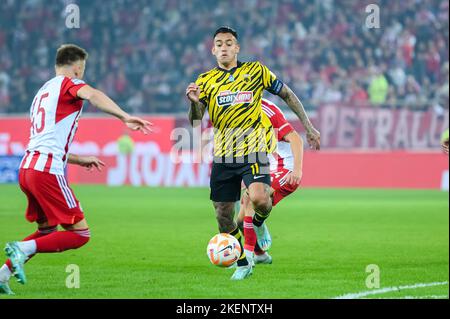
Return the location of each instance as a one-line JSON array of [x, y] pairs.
[[54, 115], [286, 173]]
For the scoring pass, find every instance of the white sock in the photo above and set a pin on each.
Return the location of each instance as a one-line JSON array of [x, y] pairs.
[[5, 273], [249, 255], [28, 247]]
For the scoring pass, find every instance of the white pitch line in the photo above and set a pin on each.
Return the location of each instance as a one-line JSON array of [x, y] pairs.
[[390, 289], [418, 297]]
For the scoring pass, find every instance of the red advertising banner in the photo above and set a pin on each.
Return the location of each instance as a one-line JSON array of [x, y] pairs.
[[399, 169], [152, 164], [381, 129]]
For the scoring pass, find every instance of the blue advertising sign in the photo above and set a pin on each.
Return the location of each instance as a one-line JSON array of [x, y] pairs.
[[9, 169]]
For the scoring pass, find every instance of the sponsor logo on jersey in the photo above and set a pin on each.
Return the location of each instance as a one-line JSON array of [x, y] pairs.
[[227, 98]]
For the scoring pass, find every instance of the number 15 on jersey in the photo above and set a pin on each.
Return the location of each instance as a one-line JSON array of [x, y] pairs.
[[38, 116]]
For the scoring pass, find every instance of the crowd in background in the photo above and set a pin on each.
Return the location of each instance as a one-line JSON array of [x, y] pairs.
[[144, 53]]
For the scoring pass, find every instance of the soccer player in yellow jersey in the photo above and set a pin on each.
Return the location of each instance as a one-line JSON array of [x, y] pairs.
[[243, 134]]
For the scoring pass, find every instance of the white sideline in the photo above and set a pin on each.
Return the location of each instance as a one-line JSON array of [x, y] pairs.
[[389, 289], [419, 297]]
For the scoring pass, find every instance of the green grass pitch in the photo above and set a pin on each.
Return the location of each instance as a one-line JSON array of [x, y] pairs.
[[151, 243]]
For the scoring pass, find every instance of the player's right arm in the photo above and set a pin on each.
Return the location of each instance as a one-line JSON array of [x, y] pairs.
[[197, 108], [104, 103]]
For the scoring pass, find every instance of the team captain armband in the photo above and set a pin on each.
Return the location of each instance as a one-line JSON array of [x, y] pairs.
[[276, 87]]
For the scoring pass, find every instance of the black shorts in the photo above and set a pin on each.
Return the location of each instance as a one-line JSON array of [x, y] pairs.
[[227, 176]]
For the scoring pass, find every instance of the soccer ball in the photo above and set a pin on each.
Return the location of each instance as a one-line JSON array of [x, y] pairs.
[[223, 250]]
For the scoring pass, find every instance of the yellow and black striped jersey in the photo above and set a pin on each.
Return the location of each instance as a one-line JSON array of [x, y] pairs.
[[233, 98]]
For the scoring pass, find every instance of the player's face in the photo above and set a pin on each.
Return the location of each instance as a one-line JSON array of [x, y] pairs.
[[225, 48]]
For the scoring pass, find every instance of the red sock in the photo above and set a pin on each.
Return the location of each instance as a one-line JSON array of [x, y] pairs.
[[39, 233], [249, 234], [62, 240]]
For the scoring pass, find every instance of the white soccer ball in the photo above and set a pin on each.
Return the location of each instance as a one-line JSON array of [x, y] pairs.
[[223, 250]]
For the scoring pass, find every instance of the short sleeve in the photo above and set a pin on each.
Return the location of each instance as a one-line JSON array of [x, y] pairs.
[[284, 129], [71, 86], [282, 126], [270, 81]]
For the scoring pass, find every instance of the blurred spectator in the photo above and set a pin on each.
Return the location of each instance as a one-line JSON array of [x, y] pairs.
[[378, 87], [414, 96], [144, 53], [358, 94], [4, 91]]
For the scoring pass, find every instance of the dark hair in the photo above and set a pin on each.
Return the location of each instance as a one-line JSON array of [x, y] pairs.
[[226, 29], [68, 54]]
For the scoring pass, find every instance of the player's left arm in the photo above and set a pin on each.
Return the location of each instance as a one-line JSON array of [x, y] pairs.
[[90, 162], [294, 103], [276, 87], [296, 144]]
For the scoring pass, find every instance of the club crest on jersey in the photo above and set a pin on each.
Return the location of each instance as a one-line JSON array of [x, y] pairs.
[[227, 98], [77, 81]]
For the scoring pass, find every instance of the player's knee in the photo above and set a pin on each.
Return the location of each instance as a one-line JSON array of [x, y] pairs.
[[262, 203]]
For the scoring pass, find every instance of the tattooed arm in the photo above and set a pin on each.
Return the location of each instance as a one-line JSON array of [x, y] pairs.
[[196, 111], [312, 135]]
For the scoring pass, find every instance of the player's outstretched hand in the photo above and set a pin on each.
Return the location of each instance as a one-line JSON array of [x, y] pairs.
[[313, 138], [90, 162], [294, 178], [138, 124], [193, 92]]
